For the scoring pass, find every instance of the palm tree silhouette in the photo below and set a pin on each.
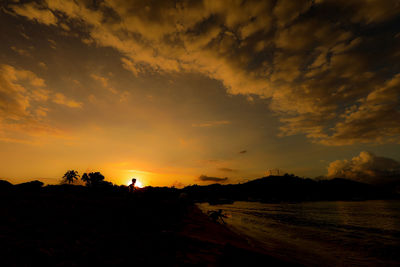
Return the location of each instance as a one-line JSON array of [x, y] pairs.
[[70, 176], [85, 178]]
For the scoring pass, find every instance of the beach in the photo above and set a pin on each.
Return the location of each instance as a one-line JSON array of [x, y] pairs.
[[335, 233], [214, 244]]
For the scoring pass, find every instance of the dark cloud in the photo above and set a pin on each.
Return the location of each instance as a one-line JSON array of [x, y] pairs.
[[243, 152], [366, 167], [227, 170], [206, 178], [318, 62]]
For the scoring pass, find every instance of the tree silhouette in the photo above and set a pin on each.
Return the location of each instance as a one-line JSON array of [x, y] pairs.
[[85, 178], [93, 178], [70, 176], [96, 178]]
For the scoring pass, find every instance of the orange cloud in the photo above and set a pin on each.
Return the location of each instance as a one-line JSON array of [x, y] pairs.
[[312, 70], [61, 99], [366, 167], [35, 12], [23, 100]]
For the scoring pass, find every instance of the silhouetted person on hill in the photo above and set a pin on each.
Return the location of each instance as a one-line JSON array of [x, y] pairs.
[[215, 215], [131, 187]]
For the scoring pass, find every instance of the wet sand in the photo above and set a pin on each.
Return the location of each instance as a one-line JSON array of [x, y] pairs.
[[214, 244]]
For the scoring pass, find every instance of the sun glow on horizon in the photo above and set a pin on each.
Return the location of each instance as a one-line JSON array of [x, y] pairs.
[[138, 183]]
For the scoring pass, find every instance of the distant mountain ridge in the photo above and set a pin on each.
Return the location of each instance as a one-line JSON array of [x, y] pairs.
[[292, 189], [286, 188]]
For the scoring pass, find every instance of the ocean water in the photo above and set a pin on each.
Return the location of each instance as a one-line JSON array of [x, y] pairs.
[[340, 233]]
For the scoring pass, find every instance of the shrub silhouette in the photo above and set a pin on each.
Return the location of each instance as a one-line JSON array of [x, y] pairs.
[[70, 176], [93, 179]]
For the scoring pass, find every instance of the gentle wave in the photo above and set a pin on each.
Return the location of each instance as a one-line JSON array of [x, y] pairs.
[[338, 233]]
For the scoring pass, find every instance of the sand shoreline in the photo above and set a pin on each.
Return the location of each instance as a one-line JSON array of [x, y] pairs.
[[214, 244]]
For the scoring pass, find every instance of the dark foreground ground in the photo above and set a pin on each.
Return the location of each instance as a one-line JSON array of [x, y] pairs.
[[62, 226]]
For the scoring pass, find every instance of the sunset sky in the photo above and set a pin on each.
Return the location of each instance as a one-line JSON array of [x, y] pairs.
[[185, 92]]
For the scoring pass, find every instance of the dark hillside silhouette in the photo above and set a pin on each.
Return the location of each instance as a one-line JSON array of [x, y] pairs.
[[33, 186], [288, 188], [5, 186]]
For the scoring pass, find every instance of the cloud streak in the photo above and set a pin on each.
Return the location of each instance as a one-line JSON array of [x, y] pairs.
[[205, 178], [35, 12], [211, 124], [227, 170]]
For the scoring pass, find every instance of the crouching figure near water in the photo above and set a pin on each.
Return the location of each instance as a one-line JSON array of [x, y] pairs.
[[217, 215]]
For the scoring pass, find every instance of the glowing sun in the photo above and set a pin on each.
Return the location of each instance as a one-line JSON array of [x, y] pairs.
[[137, 184]]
